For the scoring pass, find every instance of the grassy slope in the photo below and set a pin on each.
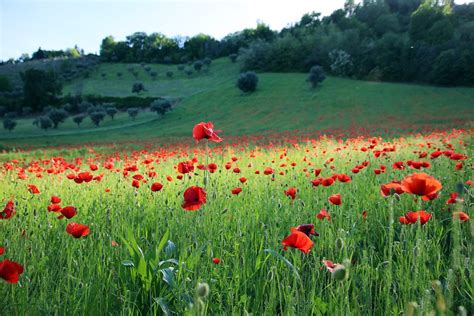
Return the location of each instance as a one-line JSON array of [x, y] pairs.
[[282, 102]]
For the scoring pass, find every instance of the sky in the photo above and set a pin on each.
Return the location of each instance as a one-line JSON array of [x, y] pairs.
[[26, 25]]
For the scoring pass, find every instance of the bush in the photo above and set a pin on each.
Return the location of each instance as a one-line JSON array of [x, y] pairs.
[[111, 111], [9, 124], [160, 107], [181, 67], [57, 116], [316, 76], [233, 57], [45, 122], [84, 106], [169, 74], [247, 81], [132, 112], [97, 117], [198, 65], [78, 119], [207, 61], [153, 74], [341, 62], [138, 87]]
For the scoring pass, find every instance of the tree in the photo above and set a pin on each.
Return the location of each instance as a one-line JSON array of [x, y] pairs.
[[198, 65], [57, 116], [316, 76], [160, 106], [138, 87], [97, 117], [341, 62], [5, 85], [447, 69], [40, 88], [78, 119], [247, 81], [45, 122], [233, 57], [132, 112], [9, 124], [111, 111]]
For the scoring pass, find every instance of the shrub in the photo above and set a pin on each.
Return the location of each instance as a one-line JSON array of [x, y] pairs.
[[316, 76], [181, 67], [198, 65], [153, 75], [132, 112], [97, 117], [111, 111], [138, 87], [341, 62], [169, 74], [9, 124], [207, 61], [247, 81], [45, 122], [57, 116], [233, 57], [160, 107]]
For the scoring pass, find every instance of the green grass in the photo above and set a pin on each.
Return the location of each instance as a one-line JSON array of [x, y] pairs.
[[282, 102], [392, 264], [180, 85]]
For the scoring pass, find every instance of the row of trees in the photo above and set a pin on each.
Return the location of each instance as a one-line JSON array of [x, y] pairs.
[[391, 40], [53, 117]]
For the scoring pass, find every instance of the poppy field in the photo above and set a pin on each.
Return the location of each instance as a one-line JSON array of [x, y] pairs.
[[215, 225]]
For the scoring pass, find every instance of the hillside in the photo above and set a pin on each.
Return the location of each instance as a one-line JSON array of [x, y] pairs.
[[282, 102]]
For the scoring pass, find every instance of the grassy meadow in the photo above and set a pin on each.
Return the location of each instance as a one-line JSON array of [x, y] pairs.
[[145, 254], [287, 150]]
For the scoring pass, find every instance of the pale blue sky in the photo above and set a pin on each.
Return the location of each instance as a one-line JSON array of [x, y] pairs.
[[26, 25]]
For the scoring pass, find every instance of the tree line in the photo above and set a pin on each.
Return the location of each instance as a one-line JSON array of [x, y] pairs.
[[429, 41]]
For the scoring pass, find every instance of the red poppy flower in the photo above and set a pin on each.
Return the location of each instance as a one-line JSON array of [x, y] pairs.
[[243, 180], [323, 214], [69, 211], [10, 271], [156, 186], [343, 178], [412, 217], [33, 189], [77, 230], [298, 240], [55, 200], [317, 171], [135, 183], [212, 167], [216, 260], [291, 192], [399, 165], [461, 216], [452, 198], [330, 266], [386, 189], [236, 170], [326, 182], [194, 198], [2, 251], [205, 131], [267, 171], [114, 243], [236, 191], [54, 208], [8, 211], [421, 184], [459, 166], [308, 229], [364, 214], [335, 199], [185, 167]]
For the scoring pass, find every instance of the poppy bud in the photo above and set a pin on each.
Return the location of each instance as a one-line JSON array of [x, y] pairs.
[[339, 243], [460, 188], [202, 290], [340, 273]]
